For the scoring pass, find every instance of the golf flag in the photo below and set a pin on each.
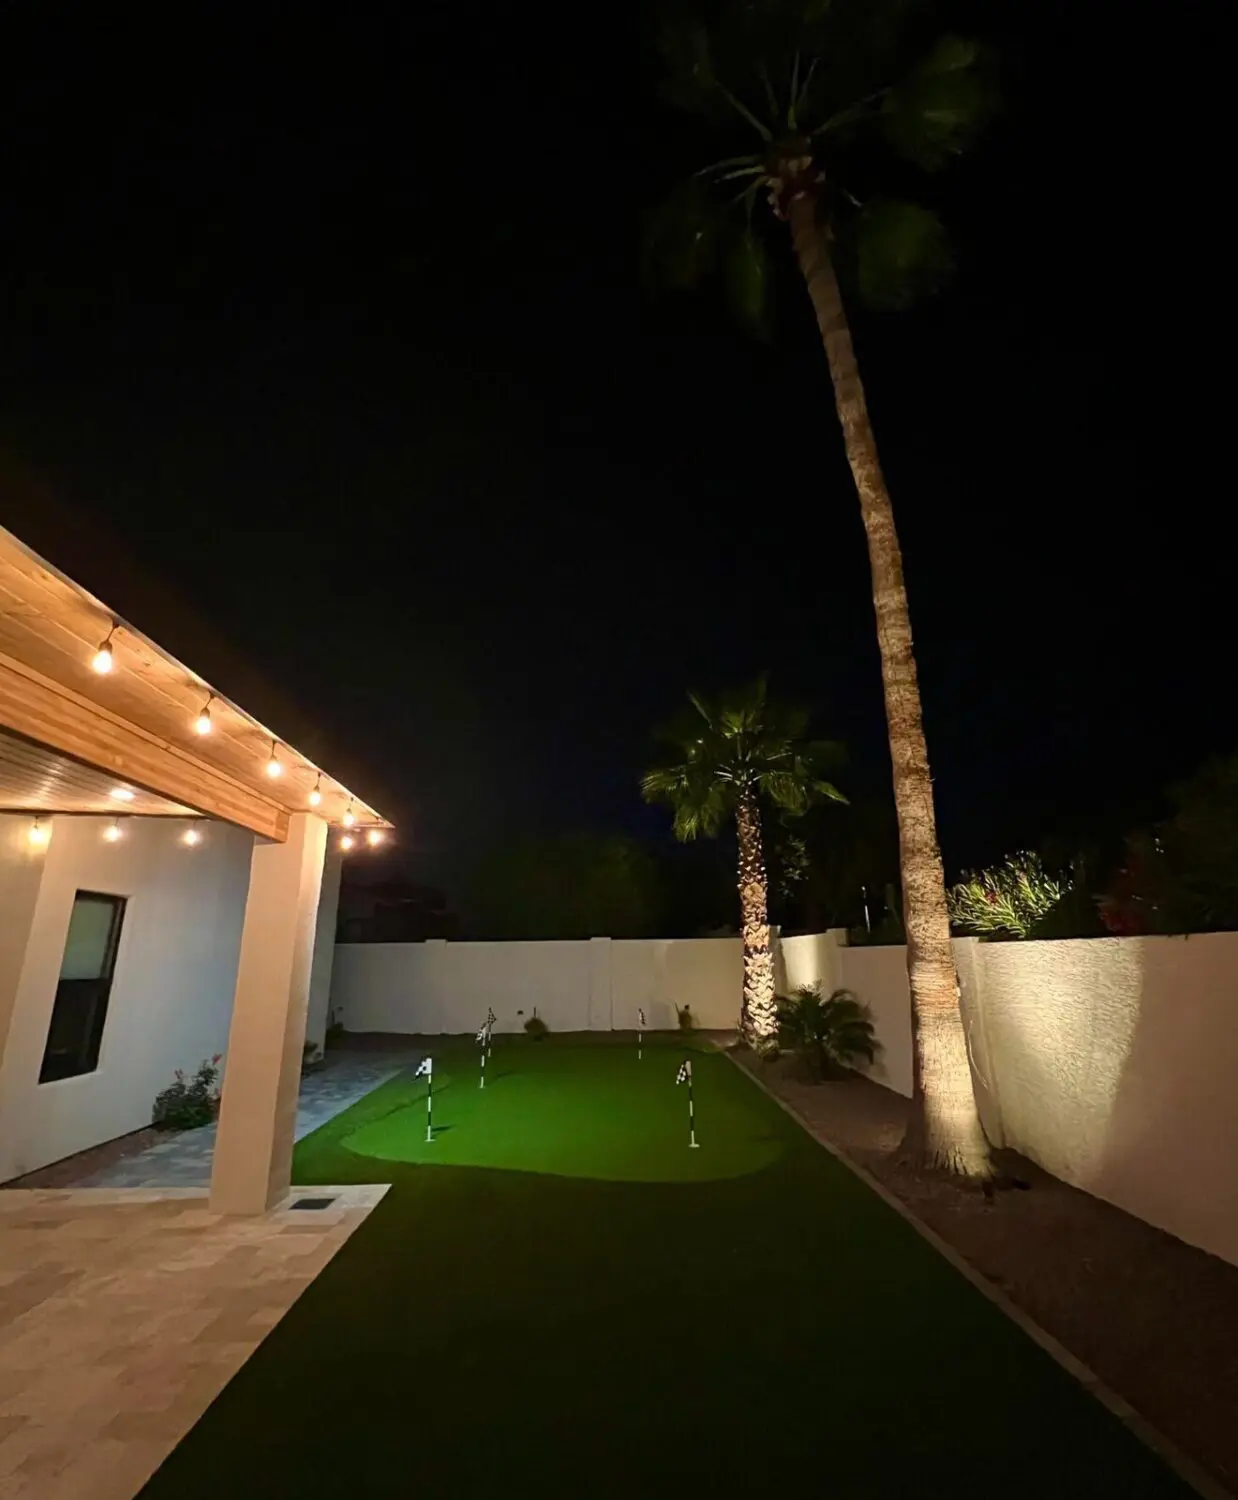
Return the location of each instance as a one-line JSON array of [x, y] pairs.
[[491, 1018], [426, 1066], [483, 1036], [640, 1034], [685, 1076]]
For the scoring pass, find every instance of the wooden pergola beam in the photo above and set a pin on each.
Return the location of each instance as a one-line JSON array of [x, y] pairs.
[[48, 713]]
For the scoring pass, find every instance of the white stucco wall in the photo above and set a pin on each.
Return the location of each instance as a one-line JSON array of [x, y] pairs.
[[172, 989], [1112, 1062], [1115, 1066], [446, 987]]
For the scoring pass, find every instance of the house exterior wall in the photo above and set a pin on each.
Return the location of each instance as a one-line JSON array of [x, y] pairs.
[[173, 982]]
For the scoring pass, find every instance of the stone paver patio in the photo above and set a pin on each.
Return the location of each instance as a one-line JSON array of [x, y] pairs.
[[124, 1313]]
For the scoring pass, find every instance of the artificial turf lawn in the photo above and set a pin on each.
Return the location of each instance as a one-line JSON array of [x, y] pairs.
[[509, 1322]]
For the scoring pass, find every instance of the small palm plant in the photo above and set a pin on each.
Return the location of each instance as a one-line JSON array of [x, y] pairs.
[[829, 1032]]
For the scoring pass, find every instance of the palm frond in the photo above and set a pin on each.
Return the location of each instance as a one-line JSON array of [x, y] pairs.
[[901, 252], [941, 105]]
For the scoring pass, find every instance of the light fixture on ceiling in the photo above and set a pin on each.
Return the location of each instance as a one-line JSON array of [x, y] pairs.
[[40, 834], [113, 833], [347, 841], [202, 724], [103, 660], [349, 817], [315, 796], [375, 837], [274, 768], [191, 836], [122, 794]]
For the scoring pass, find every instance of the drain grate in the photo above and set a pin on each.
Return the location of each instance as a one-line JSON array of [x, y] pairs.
[[312, 1203]]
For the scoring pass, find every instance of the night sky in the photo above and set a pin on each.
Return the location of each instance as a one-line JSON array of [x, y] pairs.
[[339, 325]]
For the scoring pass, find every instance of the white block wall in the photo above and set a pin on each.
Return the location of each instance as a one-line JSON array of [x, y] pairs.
[[598, 985]]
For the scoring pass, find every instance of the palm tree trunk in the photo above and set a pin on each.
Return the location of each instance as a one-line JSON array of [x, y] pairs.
[[760, 1013], [945, 1129]]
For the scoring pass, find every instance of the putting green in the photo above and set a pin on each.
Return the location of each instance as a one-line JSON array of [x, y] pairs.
[[621, 1317], [574, 1110]]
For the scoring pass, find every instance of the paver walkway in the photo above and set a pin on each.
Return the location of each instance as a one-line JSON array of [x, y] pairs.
[[184, 1159]]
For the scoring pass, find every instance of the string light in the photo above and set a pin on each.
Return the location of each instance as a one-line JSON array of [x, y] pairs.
[[375, 837], [39, 834], [349, 817], [121, 793], [315, 797], [274, 768], [347, 841], [202, 724], [113, 831], [103, 661], [191, 836]]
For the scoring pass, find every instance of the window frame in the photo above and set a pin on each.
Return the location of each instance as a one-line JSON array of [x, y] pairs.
[[93, 996]]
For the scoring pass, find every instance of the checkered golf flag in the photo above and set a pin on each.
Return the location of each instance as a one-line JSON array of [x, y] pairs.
[[491, 1018], [426, 1065], [685, 1072], [641, 1014], [484, 1034]]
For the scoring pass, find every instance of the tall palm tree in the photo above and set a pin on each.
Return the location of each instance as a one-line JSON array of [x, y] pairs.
[[729, 757], [832, 94]]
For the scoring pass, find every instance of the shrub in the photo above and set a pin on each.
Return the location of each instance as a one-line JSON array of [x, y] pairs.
[[684, 1013], [189, 1102], [1009, 900], [536, 1027], [827, 1033]]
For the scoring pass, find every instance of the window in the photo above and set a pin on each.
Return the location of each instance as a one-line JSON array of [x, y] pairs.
[[80, 1009]]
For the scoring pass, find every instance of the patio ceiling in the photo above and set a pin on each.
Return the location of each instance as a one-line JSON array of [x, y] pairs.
[[136, 723], [38, 780]]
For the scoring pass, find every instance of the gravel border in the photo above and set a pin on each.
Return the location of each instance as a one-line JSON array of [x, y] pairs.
[[1152, 1437]]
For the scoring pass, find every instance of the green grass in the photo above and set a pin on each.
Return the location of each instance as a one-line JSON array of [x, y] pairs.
[[558, 1298]]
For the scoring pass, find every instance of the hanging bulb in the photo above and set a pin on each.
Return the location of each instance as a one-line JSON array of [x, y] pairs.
[[315, 797], [202, 724], [39, 834], [103, 661], [191, 836], [113, 831], [274, 768], [347, 841], [349, 817], [375, 837]]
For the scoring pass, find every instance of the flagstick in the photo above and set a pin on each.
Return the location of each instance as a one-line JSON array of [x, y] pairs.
[[640, 1045], [483, 1067], [692, 1140], [429, 1107]]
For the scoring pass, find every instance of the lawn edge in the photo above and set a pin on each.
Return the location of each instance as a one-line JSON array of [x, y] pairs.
[[1186, 1468]]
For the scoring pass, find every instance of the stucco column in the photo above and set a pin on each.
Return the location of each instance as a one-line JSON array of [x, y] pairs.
[[324, 950], [252, 1169]]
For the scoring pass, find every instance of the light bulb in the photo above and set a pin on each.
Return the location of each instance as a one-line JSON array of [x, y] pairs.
[[102, 661], [315, 797], [112, 832], [191, 836], [349, 817], [121, 793], [274, 768], [347, 841], [39, 834], [375, 837], [202, 724]]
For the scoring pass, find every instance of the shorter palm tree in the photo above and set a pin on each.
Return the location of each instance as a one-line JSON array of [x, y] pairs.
[[827, 1032], [728, 758]]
